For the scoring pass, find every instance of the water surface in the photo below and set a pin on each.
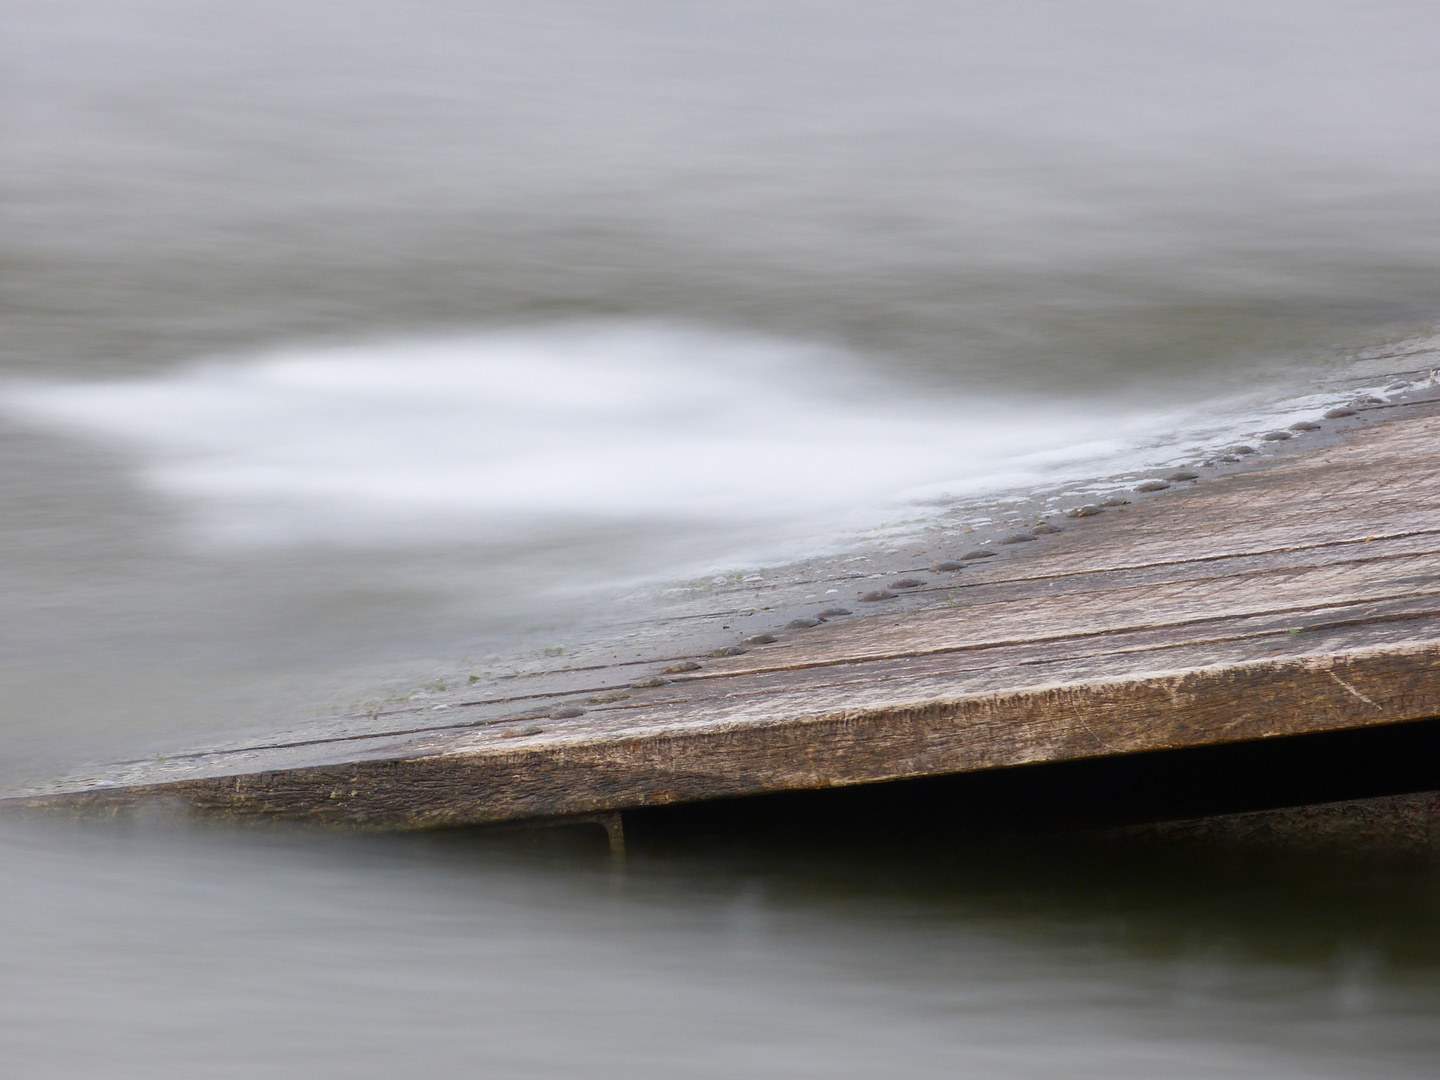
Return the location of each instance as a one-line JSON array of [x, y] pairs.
[[343, 342]]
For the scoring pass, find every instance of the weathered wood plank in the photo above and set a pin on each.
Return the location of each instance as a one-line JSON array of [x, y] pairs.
[[742, 750], [1296, 597]]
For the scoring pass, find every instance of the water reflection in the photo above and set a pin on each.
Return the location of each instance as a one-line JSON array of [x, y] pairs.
[[1019, 955]]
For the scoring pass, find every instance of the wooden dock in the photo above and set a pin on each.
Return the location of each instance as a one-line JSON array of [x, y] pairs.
[[1300, 594]]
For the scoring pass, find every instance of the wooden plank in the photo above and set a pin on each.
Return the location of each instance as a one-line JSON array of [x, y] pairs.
[[1296, 596]]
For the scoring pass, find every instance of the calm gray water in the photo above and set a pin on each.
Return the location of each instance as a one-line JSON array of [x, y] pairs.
[[344, 341]]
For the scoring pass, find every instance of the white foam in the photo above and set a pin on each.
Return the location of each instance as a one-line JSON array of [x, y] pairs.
[[499, 433]]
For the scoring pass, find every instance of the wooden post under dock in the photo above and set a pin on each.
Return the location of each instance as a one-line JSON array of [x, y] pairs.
[[1299, 595]]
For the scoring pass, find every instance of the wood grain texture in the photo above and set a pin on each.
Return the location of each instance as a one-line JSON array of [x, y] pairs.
[[1297, 597]]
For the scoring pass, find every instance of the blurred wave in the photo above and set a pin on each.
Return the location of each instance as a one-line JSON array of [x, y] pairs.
[[486, 436]]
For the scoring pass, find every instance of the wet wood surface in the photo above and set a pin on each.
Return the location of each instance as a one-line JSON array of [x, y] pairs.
[[1299, 596]]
